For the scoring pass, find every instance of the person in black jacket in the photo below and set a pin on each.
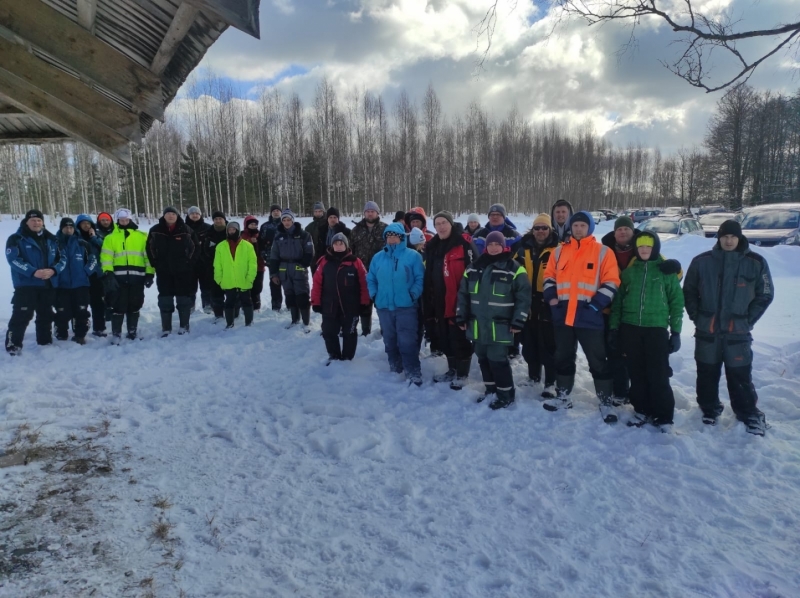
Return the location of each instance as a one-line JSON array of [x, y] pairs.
[[213, 237], [97, 293], [340, 294], [195, 221], [327, 230], [726, 292], [290, 257], [173, 250], [266, 237]]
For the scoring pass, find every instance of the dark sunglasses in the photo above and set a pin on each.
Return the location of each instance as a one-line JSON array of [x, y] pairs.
[[541, 228]]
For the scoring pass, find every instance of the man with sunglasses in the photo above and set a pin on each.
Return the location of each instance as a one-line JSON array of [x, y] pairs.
[[538, 338]]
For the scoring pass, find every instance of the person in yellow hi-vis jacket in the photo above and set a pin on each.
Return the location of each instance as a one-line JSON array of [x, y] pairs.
[[127, 272], [235, 269], [494, 302]]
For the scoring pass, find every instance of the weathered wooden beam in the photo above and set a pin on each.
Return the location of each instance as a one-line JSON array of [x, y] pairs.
[[87, 12], [242, 14], [184, 17], [63, 117], [9, 110], [47, 29], [55, 82], [32, 137]]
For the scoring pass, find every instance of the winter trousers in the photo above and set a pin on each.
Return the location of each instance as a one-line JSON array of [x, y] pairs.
[[25, 302], [72, 305], [400, 332], [538, 349], [617, 365], [97, 301], [275, 295], [128, 300], [710, 353], [366, 319], [235, 298], [255, 292], [217, 299], [594, 347], [495, 369], [451, 340], [347, 324], [295, 286], [175, 290], [204, 278], [646, 354]]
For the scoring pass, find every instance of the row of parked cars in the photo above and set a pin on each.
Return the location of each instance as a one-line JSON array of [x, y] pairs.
[[764, 226]]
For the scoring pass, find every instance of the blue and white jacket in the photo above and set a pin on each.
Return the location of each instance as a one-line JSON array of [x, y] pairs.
[[395, 274]]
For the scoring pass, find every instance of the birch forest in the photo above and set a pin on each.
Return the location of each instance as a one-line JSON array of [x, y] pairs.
[[241, 156]]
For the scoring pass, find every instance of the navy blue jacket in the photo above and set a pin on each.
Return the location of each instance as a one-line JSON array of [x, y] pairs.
[[25, 256], [81, 262]]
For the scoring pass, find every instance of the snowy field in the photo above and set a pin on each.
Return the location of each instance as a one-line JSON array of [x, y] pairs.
[[233, 463]]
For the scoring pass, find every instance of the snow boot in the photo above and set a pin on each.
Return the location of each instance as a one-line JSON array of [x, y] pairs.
[[710, 417], [503, 400], [99, 333], [305, 313], [295, 311], [486, 394], [756, 423], [638, 420], [549, 391], [619, 401], [229, 317], [562, 399], [79, 340], [462, 374], [449, 375], [116, 324], [604, 390], [132, 320], [366, 325], [248, 315], [184, 314], [166, 323]]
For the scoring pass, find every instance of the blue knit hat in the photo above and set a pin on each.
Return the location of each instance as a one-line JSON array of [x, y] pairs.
[[289, 213], [371, 205], [416, 236]]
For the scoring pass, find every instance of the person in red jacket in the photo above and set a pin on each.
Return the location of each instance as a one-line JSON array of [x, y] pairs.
[[250, 233], [447, 257], [340, 294]]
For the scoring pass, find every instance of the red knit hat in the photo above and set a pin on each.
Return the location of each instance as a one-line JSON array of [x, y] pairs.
[[106, 214]]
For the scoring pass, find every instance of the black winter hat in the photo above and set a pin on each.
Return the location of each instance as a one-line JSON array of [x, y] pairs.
[[217, 214], [274, 207], [730, 227], [34, 213], [580, 217], [169, 209], [332, 212], [399, 216], [66, 222]]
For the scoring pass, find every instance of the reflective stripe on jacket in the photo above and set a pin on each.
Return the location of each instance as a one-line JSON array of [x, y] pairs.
[[124, 253], [238, 272]]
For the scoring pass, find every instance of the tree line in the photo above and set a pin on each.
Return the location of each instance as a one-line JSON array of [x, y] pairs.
[[242, 156]]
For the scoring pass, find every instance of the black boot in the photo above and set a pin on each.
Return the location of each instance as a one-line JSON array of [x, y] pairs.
[[183, 320], [366, 325], [229, 317], [116, 325], [462, 374], [295, 316], [248, 314], [133, 324], [166, 323], [450, 374], [305, 313], [503, 400]]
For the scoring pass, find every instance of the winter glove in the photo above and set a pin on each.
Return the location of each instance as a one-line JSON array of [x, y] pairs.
[[670, 267], [148, 280], [613, 337], [365, 310], [674, 342], [317, 309], [110, 284]]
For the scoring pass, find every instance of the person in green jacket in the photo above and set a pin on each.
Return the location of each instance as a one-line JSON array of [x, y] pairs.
[[494, 300], [235, 269], [647, 304]]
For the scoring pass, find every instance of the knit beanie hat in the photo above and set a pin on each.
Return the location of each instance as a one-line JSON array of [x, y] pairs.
[[644, 240], [416, 236], [319, 206], [730, 227], [582, 217], [399, 216], [169, 209], [623, 221], [217, 214], [340, 237], [371, 205], [194, 210], [543, 219], [233, 224], [106, 214], [332, 212], [498, 207], [66, 222], [34, 213], [274, 207], [287, 213], [496, 237], [122, 213], [473, 218], [444, 214]]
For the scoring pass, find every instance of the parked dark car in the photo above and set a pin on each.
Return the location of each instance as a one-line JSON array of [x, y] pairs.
[[642, 215], [773, 224]]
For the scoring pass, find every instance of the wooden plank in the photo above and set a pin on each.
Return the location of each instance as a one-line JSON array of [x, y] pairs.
[[47, 29], [242, 14], [87, 12], [9, 110], [57, 83], [33, 137], [184, 18], [63, 117]]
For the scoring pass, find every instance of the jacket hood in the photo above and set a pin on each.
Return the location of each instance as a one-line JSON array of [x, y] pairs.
[[83, 218], [248, 220], [419, 212], [397, 228], [655, 256]]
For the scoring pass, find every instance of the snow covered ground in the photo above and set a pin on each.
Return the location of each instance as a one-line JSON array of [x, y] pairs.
[[272, 475]]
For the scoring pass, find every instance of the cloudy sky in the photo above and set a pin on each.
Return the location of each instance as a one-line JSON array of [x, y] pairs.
[[576, 74]]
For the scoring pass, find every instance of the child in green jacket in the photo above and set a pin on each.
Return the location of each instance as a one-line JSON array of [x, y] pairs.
[[647, 304]]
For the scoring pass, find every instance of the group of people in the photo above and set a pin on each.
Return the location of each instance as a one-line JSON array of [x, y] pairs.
[[482, 289]]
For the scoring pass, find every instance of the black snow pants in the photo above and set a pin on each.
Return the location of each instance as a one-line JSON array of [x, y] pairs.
[[26, 301], [347, 324], [646, 353], [72, 305], [710, 353]]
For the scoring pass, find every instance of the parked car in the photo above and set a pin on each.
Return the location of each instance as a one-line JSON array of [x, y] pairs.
[[773, 224], [711, 222], [609, 214], [598, 217], [672, 227], [642, 215], [675, 211], [703, 210]]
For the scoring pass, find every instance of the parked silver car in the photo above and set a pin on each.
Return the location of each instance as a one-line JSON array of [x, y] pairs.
[[711, 222], [672, 227], [773, 224]]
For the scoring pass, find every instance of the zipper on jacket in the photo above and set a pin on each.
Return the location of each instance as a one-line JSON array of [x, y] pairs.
[[641, 298]]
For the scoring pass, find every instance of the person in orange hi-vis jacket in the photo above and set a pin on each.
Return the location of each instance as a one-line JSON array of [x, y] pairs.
[[581, 279]]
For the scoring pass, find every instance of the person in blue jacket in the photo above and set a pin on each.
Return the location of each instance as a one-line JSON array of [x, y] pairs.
[[35, 260], [87, 230], [498, 221], [72, 294], [395, 285]]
